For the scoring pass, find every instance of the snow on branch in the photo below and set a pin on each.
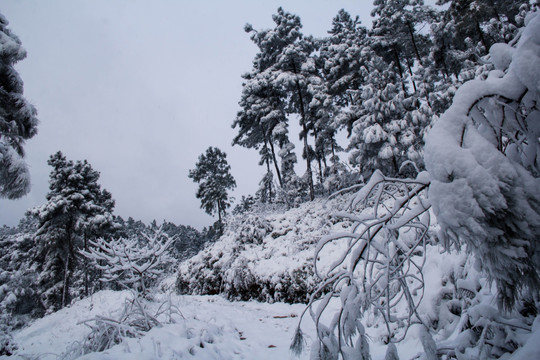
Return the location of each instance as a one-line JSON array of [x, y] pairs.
[[379, 268], [483, 156]]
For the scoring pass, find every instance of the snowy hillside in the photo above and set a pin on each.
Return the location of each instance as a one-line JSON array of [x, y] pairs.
[[265, 256]]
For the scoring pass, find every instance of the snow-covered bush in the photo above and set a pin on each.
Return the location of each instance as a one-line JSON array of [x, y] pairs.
[[264, 255], [132, 263], [19, 298], [136, 264], [135, 319]]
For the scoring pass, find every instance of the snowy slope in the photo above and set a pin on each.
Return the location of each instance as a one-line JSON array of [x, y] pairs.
[[263, 256]]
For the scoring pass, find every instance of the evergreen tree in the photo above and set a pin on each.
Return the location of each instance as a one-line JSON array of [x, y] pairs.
[[262, 123], [77, 210], [343, 58], [284, 57], [212, 173], [381, 134], [396, 35], [467, 29], [18, 120]]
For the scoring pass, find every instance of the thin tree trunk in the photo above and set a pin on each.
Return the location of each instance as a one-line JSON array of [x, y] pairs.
[[280, 180], [269, 186], [65, 289], [219, 211], [398, 64], [321, 178], [319, 155], [412, 76], [67, 264], [86, 279], [411, 32], [305, 130]]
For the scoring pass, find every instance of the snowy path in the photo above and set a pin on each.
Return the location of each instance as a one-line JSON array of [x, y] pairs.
[[211, 328]]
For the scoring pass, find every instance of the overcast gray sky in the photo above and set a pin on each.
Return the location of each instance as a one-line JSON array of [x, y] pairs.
[[140, 88]]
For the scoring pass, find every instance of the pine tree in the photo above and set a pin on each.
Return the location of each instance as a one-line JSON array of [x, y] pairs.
[[284, 57], [467, 29], [212, 173], [18, 120], [262, 122], [381, 134], [77, 210], [343, 58], [396, 35]]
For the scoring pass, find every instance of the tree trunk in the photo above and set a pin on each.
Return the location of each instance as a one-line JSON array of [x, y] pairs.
[[67, 263], [411, 32], [305, 130], [269, 186], [65, 289], [319, 156], [412, 76], [280, 180], [86, 279], [400, 70], [219, 211]]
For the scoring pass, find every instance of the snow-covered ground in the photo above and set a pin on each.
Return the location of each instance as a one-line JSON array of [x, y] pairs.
[[206, 327], [209, 327]]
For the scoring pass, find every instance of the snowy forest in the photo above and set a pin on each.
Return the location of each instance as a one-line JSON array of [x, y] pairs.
[[398, 215]]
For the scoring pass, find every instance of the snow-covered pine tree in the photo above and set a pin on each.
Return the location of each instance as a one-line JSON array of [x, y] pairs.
[[396, 35], [341, 53], [18, 121], [212, 173], [76, 211], [262, 124], [397, 39], [381, 134], [342, 58], [285, 58], [294, 72], [466, 30]]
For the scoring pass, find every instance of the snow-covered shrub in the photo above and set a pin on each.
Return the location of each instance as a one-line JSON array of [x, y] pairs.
[[134, 320], [7, 345], [264, 255], [132, 263], [19, 300]]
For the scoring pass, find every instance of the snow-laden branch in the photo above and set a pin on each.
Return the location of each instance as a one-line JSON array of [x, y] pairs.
[[379, 266]]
